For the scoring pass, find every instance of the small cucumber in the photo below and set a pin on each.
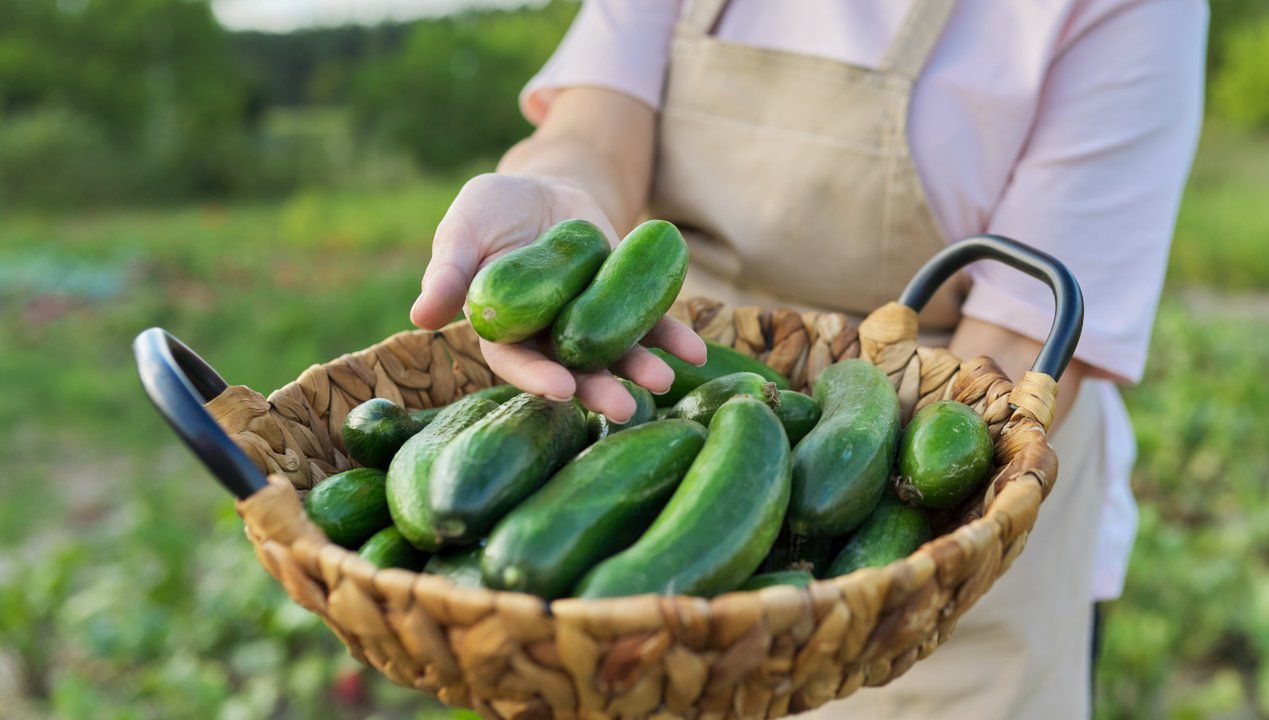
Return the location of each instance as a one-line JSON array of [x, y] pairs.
[[663, 413], [797, 578], [841, 467], [349, 506], [523, 291], [460, 566], [892, 532], [389, 549], [426, 415], [601, 427], [701, 404], [798, 413], [497, 393], [595, 506], [375, 430], [720, 360], [945, 455], [795, 552], [410, 472], [721, 521], [634, 288], [499, 461]]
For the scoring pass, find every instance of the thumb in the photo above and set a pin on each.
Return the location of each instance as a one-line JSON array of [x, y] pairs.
[[455, 257]]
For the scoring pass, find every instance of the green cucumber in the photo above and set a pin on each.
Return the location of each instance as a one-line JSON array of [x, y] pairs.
[[796, 578], [410, 472], [426, 415], [663, 413], [892, 532], [499, 461], [796, 552], [798, 413], [461, 566], [945, 455], [595, 506], [722, 520], [375, 430], [601, 427], [497, 393], [349, 506], [701, 404], [389, 549], [521, 292], [720, 360], [634, 288], [841, 467]]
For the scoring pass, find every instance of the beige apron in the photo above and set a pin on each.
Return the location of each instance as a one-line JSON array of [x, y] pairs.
[[793, 182]]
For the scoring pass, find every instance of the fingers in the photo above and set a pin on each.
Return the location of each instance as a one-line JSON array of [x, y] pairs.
[[602, 393], [643, 368], [455, 256], [530, 370], [677, 339]]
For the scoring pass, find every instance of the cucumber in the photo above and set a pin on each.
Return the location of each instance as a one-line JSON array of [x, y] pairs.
[[722, 520], [498, 394], [841, 467], [701, 404], [460, 566], [375, 430], [720, 360], [796, 552], [600, 427], [945, 455], [634, 288], [798, 413], [389, 549], [426, 415], [663, 413], [499, 461], [595, 506], [892, 532], [349, 506], [410, 471], [797, 578], [523, 291]]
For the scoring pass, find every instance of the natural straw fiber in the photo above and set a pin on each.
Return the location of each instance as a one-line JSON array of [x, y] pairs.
[[748, 655]]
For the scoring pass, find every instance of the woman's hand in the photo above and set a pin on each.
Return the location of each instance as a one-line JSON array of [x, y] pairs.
[[495, 213]]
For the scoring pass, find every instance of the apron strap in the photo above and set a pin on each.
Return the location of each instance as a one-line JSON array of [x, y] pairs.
[[701, 17], [917, 37]]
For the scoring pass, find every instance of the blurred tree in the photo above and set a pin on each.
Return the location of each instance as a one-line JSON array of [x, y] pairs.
[[448, 95], [1240, 89]]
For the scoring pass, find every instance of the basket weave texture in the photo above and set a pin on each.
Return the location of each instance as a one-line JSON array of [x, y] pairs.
[[768, 653]]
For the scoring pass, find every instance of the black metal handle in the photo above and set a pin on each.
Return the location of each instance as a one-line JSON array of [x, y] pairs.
[[178, 382], [1068, 317]]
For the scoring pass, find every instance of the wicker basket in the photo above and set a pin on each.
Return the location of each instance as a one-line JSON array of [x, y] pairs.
[[753, 654]]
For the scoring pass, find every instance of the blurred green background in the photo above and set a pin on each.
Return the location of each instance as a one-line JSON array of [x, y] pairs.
[[270, 199]]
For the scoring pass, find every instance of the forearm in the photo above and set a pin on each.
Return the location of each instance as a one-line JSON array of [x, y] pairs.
[[1014, 353], [596, 140]]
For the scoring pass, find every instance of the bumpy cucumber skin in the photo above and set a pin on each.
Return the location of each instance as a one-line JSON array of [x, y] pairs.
[[375, 430], [497, 394], [634, 288], [945, 455], [522, 292], [388, 549], [349, 506], [410, 472], [798, 413], [892, 532], [720, 360], [721, 521], [841, 467], [599, 427], [461, 566], [795, 552], [595, 506], [701, 404], [425, 416], [796, 578], [499, 461]]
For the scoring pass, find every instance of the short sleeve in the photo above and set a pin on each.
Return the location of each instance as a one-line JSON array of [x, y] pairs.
[[1099, 182], [621, 45]]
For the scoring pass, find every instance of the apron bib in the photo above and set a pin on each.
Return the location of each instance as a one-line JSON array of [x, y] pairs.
[[793, 183]]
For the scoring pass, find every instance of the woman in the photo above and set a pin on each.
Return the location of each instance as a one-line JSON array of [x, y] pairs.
[[815, 154]]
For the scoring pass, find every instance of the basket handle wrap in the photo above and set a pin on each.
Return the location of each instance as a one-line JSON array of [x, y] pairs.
[[1068, 319], [178, 382]]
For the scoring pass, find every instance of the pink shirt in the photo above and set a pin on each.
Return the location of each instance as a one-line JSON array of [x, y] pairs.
[[1067, 124]]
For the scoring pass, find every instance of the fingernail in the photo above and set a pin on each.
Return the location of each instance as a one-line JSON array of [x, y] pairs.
[[555, 398]]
